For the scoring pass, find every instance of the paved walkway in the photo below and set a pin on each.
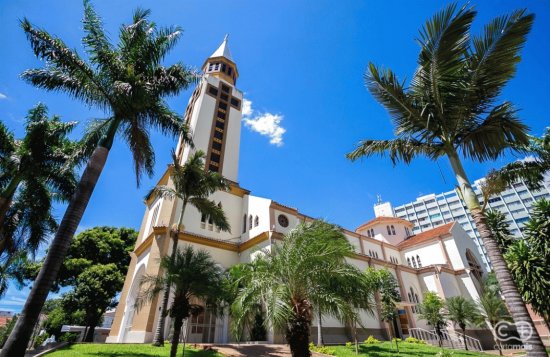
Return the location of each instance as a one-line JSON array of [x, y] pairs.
[[243, 350]]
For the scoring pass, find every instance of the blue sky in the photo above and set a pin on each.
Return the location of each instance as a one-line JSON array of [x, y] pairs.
[[302, 62]]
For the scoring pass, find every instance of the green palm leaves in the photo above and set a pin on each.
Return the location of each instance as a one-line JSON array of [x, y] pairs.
[[34, 172], [127, 81], [451, 102], [307, 268]]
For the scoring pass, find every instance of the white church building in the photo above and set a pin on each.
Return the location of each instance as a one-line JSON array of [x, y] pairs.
[[444, 259]]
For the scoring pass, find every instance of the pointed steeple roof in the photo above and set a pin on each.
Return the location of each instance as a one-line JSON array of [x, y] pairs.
[[223, 50]]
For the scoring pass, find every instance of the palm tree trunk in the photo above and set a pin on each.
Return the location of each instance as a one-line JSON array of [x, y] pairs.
[[464, 338], [17, 342], [297, 336], [178, 322], [158, 340], [320, 341], [513, 299]]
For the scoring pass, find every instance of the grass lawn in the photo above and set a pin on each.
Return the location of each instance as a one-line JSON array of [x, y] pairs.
[[125, 350], [384, 349]]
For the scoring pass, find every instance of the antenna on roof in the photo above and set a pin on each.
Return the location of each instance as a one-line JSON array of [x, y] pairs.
[[378, 199]]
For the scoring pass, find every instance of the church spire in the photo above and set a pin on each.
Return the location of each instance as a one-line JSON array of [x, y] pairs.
[[220, 63], [223, 50]]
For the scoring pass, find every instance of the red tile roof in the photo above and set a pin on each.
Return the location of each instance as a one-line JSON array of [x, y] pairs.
[[379, 220], [427, 235]]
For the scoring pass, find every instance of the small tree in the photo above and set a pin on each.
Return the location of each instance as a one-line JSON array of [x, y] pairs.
[[491, 310], [432, 310], [461, 312], [190, 275]]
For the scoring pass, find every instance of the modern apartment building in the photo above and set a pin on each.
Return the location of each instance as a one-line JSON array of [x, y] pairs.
[[433, 210]]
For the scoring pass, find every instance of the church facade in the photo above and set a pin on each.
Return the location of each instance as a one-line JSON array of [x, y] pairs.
[[444, 259]]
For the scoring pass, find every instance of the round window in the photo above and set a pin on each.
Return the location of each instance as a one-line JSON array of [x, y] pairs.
[[283, 220]]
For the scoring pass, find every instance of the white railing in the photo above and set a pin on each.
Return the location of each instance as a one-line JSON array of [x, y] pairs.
[[448, 339]]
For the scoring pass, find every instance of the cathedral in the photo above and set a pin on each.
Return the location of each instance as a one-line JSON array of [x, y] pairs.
[[444, 259]]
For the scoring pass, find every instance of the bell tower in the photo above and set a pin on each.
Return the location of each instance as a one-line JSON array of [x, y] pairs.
[[214, 115]]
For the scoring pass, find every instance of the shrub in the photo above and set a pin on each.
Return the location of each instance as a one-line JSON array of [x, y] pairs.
[[415, 340], [396, 340], [349, 344], [371, 340], [322, 349], [40, 340], [69, 337]]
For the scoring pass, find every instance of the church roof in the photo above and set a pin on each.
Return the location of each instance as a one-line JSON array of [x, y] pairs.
[[223, 50], [426, 236], [380, 220]]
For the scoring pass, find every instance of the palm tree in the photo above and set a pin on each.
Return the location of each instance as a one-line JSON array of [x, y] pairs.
[[383, 282], [461, 312], [491, 311], [450, 109], [531, 171], [501, 232], [128, 82], [529, 260], [192, 185], [290, 279], [34, 171], [191, 275], [432, 310]]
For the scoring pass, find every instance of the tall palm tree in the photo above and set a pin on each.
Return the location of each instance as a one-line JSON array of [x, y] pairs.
[[191, 275], [192, 185], [34, 171], [450, 109], [461, 312], [128, 82], [291, 278]]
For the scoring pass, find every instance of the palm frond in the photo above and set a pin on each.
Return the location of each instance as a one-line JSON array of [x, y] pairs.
[[143, 154], [494, 57], [211, 211], [500, 130], [399, 149]]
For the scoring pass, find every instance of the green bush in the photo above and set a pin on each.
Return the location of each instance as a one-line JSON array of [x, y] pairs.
[[396, 340], [40, 340], [322, 349], [69, 337], [349, 344], [371, 340], [415, 340]]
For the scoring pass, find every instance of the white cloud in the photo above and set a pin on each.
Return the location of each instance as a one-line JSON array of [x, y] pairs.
[[3, 96], [266, 124]]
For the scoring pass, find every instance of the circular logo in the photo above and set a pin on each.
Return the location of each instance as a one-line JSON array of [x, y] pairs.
[[505, 331]]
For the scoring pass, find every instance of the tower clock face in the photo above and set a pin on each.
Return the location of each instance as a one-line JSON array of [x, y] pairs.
[[283, 220]]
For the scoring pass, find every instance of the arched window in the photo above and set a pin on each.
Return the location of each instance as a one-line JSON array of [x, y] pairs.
[[410, 297], [372, 232], [392, 230], [256, 221], [376, 254], [414, 262], [389, 231], [409, 262], [203, 221], [250, 222], [244, 223], [418, 260], [368, 232], [475, 268]]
